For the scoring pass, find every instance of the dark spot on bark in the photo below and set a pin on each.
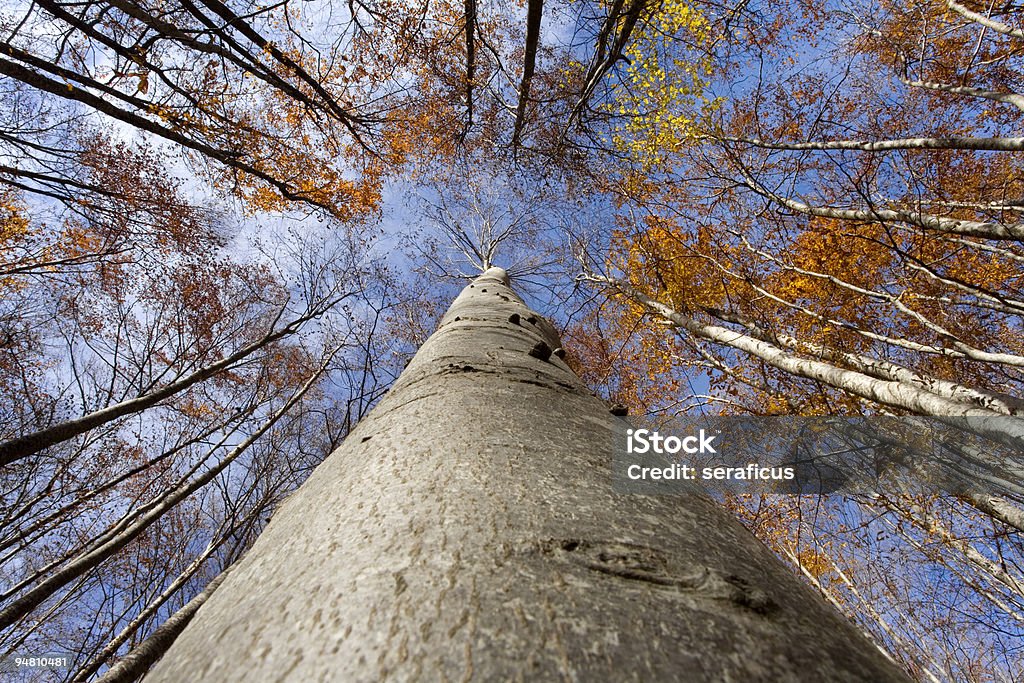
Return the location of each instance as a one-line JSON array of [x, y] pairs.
[[570, 545], [514, 318], [532, 320], [749, 596], [546, 384], [540, 350], [457, 319], [484, 290], [365, 439], [560, 352], [618, 409]]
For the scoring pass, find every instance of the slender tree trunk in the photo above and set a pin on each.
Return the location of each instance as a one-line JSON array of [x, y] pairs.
[[30, 444], [997, 508], [468, 529], [913, 398]]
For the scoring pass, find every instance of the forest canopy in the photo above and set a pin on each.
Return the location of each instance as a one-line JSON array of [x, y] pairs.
[[225, 227]]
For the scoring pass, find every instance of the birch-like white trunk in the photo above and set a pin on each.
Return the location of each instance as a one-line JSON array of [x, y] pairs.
[[467, 529], [913, 397]]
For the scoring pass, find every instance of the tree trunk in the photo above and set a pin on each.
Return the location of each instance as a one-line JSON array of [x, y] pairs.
[[467, 529]]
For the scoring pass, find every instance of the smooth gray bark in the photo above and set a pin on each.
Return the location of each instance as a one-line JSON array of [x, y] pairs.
[[467, 529]]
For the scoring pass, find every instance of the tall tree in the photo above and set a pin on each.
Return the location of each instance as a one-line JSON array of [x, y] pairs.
[[468, 528]]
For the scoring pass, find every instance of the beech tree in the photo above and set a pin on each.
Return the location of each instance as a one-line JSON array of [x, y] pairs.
[[468, 527]]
